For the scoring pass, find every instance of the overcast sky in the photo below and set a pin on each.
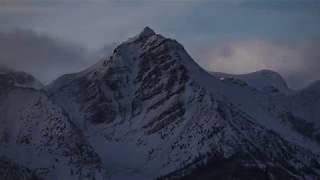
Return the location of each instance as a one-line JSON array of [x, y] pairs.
[[233, 36]]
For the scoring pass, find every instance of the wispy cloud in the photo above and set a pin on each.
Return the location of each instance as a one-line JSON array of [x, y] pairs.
[[44, 57], [93, 23], [229, 24], [298, 62]]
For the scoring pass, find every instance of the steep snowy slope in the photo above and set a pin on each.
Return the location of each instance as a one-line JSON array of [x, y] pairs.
[[37, 135], [293, 114], [265, 81], [308, 100], [150, 110], [303, 110]]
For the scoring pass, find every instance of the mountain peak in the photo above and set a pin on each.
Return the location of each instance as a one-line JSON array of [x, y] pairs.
[[147, 32], [168, 114]]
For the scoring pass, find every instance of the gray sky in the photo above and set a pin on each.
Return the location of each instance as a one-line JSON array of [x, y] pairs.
[[233, 36]]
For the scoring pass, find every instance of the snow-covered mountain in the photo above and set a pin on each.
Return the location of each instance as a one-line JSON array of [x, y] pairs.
[[149, 111], [37, 140]]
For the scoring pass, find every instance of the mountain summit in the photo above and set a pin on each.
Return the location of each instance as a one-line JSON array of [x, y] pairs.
[[150, 111], [147, 32]]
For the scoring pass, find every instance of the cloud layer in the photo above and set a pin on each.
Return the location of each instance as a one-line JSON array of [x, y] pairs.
[[92, 23], [298, 62], [218, 33], [43, 56]]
